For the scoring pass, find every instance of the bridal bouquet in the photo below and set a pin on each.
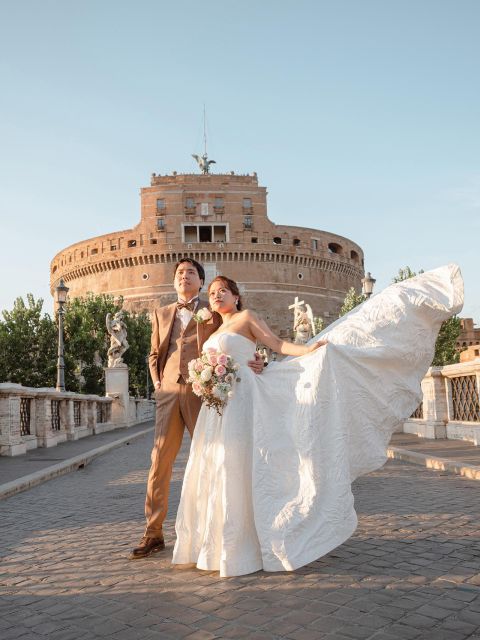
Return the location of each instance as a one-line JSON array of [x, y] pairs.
[[212, 377]]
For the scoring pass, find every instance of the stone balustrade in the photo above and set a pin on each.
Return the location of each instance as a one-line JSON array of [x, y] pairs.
[[450, 406], [31, 417]]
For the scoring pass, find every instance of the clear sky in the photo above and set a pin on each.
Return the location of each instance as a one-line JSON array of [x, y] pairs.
[[360, 116]]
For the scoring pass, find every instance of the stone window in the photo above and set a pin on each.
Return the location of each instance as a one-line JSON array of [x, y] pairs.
[[254, 240], [277, 240], [161, 204], [247, 222], [314, 244], [113, 247], [354, 256], [132, 243], [296, 242], [218, 203], [153, 241], [190, 203], [333, 247], [94, 252], [161, 224], [247, 203], [205, 233], [191, 234]]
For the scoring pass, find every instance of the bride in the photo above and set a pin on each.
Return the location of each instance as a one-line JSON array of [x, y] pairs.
[[268, 484]]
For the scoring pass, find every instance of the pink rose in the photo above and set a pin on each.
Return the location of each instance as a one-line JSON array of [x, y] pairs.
[[222, 359], [198, 365], [211, 350], [220, 370], [197, 388], [212, 359]]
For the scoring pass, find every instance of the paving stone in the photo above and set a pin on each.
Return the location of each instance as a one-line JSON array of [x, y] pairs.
[[412, 561]]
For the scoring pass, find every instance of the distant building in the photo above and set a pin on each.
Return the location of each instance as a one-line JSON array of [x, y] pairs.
[[221, 221], [468, 342]]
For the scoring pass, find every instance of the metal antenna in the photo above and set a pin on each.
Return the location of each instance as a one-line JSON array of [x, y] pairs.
[[204, 132]]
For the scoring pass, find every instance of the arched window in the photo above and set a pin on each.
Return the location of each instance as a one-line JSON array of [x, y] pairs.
[[354, 255], [277, 240], [333, 247]]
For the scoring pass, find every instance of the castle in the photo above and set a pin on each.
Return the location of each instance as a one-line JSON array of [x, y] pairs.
[[221, 221]]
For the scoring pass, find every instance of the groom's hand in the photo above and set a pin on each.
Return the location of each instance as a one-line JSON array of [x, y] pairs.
[[258, 364]]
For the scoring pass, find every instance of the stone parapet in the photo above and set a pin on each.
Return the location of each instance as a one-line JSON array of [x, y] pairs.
[[31, 417], [451, 406]]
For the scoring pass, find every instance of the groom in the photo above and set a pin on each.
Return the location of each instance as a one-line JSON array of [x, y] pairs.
[[176, 339]]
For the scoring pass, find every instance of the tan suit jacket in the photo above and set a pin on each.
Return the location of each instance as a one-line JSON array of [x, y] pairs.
[[162, 324]]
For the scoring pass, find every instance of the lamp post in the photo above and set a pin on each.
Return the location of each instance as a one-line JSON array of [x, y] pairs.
[[60, 298], [367, 285]]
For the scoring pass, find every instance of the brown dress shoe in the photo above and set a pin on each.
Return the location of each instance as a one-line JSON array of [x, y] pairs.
[[146, 547]]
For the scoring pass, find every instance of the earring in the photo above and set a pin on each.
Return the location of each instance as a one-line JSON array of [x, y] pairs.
[[236, 302]]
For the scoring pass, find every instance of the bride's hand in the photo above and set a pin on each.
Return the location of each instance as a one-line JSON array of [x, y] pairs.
[[317, 345]]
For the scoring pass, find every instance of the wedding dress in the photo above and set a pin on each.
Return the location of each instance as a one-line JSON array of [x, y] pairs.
[[268, 484]]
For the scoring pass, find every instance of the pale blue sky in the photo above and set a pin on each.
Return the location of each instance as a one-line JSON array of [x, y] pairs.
[[360, 116]]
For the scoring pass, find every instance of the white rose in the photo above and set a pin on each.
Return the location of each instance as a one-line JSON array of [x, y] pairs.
[[206, 374], [204, 314]]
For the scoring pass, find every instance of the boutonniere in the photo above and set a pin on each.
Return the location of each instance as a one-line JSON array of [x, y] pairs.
[[202, 315]]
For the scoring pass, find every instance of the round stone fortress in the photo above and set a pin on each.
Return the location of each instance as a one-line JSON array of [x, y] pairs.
[[221, 221]]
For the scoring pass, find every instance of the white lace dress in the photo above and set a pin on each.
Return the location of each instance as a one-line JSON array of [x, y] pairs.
[[268, 484]]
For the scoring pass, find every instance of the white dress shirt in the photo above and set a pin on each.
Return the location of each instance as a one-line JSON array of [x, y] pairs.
[[185, 315]]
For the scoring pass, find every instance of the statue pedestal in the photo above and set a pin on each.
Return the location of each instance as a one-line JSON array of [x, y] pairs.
[[116, 387]]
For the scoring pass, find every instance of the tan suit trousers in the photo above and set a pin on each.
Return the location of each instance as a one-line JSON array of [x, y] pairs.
[[177, 406]]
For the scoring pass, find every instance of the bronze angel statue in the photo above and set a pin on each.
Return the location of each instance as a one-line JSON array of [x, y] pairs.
[[203, 162]]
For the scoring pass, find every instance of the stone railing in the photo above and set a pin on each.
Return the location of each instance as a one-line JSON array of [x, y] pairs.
[[31, 418], [450, 407]]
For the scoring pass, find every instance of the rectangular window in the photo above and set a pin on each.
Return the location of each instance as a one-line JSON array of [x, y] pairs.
[[247, 222], [190, 203], [219, 233], [191, 234], [255, 240], [132, 243], [94, 252], [161, 204], [314, 244], [218, 203], [113, 247], [204, 209], [161, 224], [205, 234], [247, 203]]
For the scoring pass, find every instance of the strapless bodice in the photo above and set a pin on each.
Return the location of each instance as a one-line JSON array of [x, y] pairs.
[[233, 344]]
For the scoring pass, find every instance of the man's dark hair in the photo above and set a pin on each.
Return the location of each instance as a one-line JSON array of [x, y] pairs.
[[194, 263]]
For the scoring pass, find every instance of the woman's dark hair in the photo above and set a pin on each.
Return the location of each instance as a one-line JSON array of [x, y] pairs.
[[231, 285], [194, 263]]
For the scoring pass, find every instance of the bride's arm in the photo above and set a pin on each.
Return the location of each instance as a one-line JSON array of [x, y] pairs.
[[262, 333]]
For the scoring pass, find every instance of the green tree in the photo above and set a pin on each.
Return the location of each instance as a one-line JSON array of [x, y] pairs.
[[352, 299], [28, 344], [86, 342], [318, 324], [139, 329], [404, 274]]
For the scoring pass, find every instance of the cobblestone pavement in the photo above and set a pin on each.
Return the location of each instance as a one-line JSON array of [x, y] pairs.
[[411, 570]]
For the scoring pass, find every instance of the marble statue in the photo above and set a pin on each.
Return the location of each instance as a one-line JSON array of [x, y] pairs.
[[117, 329]]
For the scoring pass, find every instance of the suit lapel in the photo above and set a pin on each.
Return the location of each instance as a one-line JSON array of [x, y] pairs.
[[165, 325]]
